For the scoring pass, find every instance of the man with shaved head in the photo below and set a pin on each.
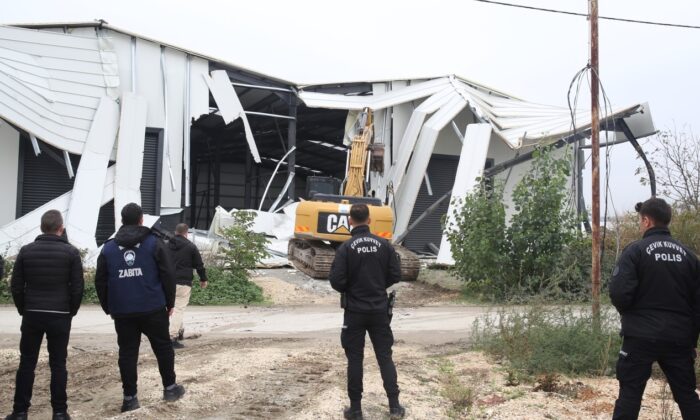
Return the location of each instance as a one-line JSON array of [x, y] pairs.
[[187, 258]]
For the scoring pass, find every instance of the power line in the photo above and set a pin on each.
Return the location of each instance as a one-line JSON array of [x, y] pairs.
[[564, 12]]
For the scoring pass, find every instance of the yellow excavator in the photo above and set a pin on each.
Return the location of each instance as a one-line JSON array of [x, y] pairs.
[[322, 222]]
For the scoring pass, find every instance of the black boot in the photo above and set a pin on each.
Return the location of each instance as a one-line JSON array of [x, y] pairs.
[[17, 416], [60, 416], [397, 412], [130, 404], [181, 334], [177, 344], [173, 392], [352, 414]]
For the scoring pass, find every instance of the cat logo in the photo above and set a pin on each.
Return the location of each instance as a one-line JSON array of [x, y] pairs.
[[334, 223], [130, 257]]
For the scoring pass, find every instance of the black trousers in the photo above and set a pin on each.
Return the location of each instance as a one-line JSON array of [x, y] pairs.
[[352, 338], [57, 330], [129, 330], [634, 369]]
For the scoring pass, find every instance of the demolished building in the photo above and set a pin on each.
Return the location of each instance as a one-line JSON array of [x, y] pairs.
[[93, 117]]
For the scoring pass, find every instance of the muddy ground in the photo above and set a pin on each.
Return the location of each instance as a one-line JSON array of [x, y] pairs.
[[269, 374]]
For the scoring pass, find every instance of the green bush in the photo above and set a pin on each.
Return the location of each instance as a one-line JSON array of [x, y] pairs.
[[5, 293], [478, 242], [543, 340], [226, 287], [245, 248], [540, 253], [89, 293]]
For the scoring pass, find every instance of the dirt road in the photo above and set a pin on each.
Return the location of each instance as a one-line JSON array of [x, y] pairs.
[[284, 361]]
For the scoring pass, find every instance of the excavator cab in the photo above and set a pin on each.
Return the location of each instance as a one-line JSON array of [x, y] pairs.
[[322, 222]]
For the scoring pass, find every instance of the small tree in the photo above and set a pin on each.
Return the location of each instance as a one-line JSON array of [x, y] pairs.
[[676, 162], [245, 248], [477, 240], [542, 229], [541, 252]]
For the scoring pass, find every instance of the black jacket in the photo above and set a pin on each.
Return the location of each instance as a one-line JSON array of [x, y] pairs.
[[186, 258], [48, 276], [128, 236], [363, 268], [656, 288]]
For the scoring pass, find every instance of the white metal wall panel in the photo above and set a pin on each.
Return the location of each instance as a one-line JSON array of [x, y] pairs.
[[408, 190], [389, 99], [199, 92], [175, 67], [471, 166], [9, 159], [85, 203], [132, 129], [50, 83], [400, 114], [122, 47], [149, 81]]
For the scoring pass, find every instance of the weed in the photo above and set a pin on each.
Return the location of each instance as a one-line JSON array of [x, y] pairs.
[[540, 340], [460, 396]]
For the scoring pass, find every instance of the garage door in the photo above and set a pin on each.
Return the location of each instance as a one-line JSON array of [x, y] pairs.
[[441, 172]]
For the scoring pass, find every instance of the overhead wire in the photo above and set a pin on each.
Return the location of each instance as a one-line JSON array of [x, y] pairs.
[[564, 12]]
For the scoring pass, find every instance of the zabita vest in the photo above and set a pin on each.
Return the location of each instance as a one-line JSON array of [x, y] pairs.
[[133, 284]]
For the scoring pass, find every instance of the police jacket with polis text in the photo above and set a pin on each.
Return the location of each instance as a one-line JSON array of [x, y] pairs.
[[656, 289], [364, 267], [134, 275]]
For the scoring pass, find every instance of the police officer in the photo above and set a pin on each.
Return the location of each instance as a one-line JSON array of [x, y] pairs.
[[135, 283], [363, 268], [656, 288], [47, 288]]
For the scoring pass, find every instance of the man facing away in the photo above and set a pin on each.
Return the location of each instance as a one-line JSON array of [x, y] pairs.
[[363, 268], [135, 283], [47, 288], [187, 258], [656, 289]]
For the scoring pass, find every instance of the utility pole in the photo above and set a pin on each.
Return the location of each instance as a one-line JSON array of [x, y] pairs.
[[595, 165]]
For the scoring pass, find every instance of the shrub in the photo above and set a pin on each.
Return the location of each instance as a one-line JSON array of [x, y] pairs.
[[90, 294], [540, 340], [477, 239], [541, 253], [245, 248], [542, 230], [5, 292], [226, 287]]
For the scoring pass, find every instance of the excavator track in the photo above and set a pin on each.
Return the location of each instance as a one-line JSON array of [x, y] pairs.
[[410, 264], [314, 258]]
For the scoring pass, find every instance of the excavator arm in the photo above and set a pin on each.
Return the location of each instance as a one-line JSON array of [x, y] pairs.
[[355, 181]]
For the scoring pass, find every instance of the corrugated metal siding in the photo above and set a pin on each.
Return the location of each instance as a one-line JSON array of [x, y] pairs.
[[50, 83], [151, 172], [441, 171], [44, 179]]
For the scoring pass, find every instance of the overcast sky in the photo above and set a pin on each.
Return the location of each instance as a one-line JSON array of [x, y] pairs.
[[531, 55]]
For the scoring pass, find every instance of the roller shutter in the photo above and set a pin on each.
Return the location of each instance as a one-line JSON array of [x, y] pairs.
[[441, 172]]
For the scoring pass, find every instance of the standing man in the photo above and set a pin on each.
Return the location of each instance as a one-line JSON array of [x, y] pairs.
[[135, 282], [656, 289], [187, 258], [47, 287], [363, 268]]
